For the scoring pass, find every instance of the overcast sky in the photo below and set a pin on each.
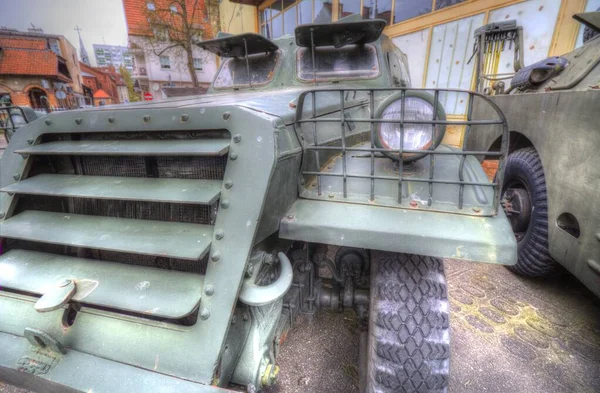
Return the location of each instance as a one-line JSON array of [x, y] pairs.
[[101, 21]]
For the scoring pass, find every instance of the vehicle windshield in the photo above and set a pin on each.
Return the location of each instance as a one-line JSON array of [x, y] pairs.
[[349, 62], [234, 71]]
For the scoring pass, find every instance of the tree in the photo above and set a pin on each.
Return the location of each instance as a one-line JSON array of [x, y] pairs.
[[178, 24], [133, 96]]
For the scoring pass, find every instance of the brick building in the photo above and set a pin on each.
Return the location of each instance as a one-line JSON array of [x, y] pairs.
[[106, 79], [39, 70]]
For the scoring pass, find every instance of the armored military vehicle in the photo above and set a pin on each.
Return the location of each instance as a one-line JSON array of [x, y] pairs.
[[169, 246], [551, 184]]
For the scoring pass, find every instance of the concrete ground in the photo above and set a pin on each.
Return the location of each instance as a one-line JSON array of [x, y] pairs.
[[509, 334]]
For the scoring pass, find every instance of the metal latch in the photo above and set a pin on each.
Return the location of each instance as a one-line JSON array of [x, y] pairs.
[[56, 297], [43, 340]]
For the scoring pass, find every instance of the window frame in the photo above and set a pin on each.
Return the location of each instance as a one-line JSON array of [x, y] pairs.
[[168, 66], [199, 62]]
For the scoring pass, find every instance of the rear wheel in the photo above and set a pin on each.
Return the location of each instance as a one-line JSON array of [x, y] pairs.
[[525, 203], [409, 333]]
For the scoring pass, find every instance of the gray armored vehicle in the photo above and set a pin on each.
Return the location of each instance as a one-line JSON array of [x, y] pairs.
[[551, 187], [169, 246]]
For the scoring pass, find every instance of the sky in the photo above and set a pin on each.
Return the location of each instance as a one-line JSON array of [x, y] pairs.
[[101, 21]]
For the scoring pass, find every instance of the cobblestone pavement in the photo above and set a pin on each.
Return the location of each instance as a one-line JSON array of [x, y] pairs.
[[509, 334]]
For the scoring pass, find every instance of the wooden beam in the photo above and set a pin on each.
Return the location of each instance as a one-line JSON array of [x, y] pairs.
[[448, 14], [566, 29]]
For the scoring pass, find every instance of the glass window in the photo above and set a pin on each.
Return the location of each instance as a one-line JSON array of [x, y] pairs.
[[349, 7], [407, 9], [323, 10], [289, 21], [277, 26], [276, 8], [305, 10], [165, 62], [234, 71], [379, 9], [54, 47], [151, 6], [173, 8], [197, 64], [349, 62], [439, 4]]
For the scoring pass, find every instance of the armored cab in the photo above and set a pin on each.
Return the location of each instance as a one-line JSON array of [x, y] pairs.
[[169, 246], [551, 184]]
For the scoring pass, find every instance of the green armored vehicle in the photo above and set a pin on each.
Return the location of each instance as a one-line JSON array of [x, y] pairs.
[[551, 184], [169, 246]]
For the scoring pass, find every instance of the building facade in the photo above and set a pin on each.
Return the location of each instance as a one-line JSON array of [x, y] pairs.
[[437, 35], [112, 55], [40, 71], [106, 80], [157, 65]]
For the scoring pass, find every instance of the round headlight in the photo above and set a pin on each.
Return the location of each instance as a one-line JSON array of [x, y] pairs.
[[419, 106]]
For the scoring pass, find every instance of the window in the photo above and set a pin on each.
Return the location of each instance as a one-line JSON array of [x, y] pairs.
[[234, 71], [54, 47], [151, 6], [173, 8], [380, 9], [349, 62], [165, 62], [407, 9], [197, 64], [349, 7]]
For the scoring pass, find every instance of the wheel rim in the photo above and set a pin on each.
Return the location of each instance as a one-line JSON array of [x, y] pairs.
[[516, 202]]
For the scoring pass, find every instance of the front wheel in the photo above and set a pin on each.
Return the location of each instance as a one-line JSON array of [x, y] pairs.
[[409, 333]]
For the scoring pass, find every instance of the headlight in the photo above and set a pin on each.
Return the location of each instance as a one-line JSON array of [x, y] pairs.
[[419, 106]]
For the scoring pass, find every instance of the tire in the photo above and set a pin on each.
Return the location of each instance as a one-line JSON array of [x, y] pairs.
[[524, 170], [409, 334]]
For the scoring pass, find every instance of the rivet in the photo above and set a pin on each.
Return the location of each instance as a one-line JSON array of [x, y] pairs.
[[225, 203], [245, 317], [234, 320], [331, 195], [79, 120], [48, 122], [477, 209], [226, 115], [205, 314], [185, 117], [233, 156], [216, 256], [414, 203], [237, 138], [30, 141], [16, 176], [1, 214], [290, 216], [111, 119], [209, 290], [219, 234], [228, 184], [64, 283], [146, 119]]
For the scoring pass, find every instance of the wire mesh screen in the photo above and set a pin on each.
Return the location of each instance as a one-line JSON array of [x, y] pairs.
[[346, 159]]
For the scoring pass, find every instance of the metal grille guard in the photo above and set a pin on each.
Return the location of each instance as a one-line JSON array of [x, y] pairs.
[[463, 153]]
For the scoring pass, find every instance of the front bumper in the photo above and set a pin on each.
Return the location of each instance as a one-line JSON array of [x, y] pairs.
[[442, 235], [80, 372]]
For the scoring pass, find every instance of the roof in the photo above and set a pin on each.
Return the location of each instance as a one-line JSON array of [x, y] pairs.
[[87, 75], [23, 43], [137, 15], [29, 62], [101, 94]]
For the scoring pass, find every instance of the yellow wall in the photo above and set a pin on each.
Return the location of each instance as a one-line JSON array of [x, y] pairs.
[[238, 18]]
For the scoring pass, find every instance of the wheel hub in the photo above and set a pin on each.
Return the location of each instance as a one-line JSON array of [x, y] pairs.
[[517, 206]]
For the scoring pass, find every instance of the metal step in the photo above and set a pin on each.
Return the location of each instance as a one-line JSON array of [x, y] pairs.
[[146, 237], [202, 192], [143, 290], [187, 147]]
